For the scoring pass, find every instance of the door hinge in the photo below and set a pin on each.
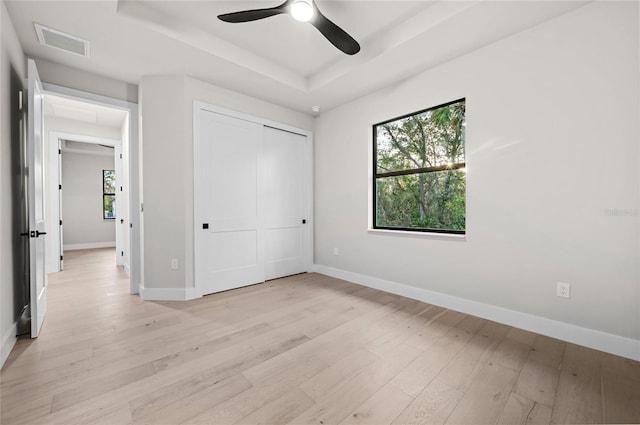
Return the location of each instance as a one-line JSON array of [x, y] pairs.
[[61, 257], [304, 221], [59, 151], [120, 156], [141, 207], [122, 253], [120, 188], [60, 222], [59, 187], [131, 225]]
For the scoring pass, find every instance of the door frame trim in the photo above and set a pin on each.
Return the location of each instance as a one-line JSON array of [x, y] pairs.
[[198, 108]]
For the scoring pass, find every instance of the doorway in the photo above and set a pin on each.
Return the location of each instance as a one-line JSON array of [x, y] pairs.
[[84, 132], [89, 203]]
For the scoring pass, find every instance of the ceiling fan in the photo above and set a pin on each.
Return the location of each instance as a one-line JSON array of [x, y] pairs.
[[305, 11]]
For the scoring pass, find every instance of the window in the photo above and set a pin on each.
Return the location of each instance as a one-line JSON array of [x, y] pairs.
[[419, 171], [108, 194]]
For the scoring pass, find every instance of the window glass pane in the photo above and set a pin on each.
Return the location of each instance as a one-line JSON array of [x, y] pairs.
[[427, 139], [109, 206], [433, 200], [109, 181]]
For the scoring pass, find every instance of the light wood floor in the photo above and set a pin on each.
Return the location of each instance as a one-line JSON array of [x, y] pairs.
[[307, 349]]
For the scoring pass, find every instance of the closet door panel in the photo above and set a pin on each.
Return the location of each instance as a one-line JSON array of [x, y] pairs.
[[229, 203], [285, 198]]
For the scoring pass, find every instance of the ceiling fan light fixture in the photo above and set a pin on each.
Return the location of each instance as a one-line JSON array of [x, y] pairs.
[[302, 10]]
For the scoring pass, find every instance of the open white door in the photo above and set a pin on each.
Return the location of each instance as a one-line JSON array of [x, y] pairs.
[[35, 187], [60, 225]]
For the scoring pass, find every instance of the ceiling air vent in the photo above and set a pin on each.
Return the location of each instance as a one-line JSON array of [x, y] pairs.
[[60, 40]]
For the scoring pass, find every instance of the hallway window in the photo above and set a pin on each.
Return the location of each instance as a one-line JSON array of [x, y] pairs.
[[108, 194]]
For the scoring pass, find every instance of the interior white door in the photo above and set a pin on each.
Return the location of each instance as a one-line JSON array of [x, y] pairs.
[[35, 185], [228, 185], [119, 210], [61, 225], [286, 202]]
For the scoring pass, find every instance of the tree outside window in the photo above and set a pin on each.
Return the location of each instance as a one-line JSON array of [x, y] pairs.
[[420, 174], [108, 194]]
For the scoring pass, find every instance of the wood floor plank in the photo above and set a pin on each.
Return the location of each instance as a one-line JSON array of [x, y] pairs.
[[486, 398], [620, 389], [511, 354], [547, 351], [520, 410], [269, 385], [405, 329], [463, 369], [417, 375], [281, 410], [579, 395], [381, 408], [538, 382], [302, 349], [432, 406], [186, 405], [323, 382], [97, 387], [336, 405]]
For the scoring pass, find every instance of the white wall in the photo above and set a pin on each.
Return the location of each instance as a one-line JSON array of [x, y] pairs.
[[61, 75], [12, 74], [64, 125], [166, 105], [82, 200], [553, 181]]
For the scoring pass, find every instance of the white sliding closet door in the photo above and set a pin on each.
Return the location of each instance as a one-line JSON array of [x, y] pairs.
[[229, 203], [251, 201], [285, 198]]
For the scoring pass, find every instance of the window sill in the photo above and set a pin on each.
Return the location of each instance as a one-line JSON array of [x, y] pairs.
[[419, 235]]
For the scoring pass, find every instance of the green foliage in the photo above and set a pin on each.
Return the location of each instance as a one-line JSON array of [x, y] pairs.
[[108, 193], [108, 181], [433, 195], [109, 204]]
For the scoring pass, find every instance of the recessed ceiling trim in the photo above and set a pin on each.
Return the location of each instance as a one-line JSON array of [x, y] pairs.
[[60, 40], [165, 24]]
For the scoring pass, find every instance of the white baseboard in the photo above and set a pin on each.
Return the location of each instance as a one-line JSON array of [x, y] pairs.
[[614, 344], [168, 294], [8, 341], [93, 245]]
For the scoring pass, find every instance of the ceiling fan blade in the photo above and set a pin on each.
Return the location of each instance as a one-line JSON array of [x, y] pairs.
[[253, 15], [336, 35]]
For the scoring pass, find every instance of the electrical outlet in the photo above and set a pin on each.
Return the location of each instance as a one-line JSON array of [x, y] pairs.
[[175, 264], [564, 290], [336, 251]]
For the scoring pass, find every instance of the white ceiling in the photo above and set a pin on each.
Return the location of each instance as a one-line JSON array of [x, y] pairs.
[[276, 59]]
